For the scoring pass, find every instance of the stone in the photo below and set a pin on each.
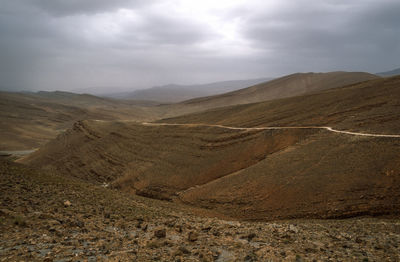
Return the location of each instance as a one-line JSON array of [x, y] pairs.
[[160, 233], [193, 236]]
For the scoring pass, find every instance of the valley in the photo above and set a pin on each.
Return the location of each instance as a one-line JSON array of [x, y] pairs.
[[270, 173], [199, 131]]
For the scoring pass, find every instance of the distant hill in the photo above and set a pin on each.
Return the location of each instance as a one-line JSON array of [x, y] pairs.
[[175, 93], [389, 73], [287, 86], [29, 120]]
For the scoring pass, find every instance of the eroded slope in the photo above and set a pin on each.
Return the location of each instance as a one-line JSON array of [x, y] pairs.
[[329, 175], [252, 174], [158, 161]]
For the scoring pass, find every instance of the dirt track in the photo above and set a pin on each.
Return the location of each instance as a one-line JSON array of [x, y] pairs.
[[276, 127]]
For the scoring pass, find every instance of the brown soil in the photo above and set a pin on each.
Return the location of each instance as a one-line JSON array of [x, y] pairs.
[[251, 174], [160, 161], [99, 224], [262, 175], [78, 199]]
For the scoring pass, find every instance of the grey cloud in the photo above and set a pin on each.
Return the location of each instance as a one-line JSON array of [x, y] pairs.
[[160, 29], [349, 34], [57, 44], [74, 7]]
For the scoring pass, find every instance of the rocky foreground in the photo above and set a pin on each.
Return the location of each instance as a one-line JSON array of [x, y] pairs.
[[44, 217]]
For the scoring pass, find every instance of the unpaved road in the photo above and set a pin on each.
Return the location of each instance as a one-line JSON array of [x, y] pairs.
[[17, 153], [275, 127]]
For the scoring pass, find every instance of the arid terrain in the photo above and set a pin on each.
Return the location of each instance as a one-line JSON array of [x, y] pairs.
[[300, 168], [253, 174], [286, 86], [177, 93], [48, 217], [29, 120]]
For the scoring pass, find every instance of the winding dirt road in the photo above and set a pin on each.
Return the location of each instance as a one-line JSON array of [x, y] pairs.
[[275, 127]]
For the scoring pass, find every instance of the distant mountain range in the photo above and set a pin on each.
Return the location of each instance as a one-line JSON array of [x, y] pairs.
[[390, 73], [173, 93]]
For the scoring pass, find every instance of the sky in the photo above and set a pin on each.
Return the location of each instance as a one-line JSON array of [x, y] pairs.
[[104, 46]]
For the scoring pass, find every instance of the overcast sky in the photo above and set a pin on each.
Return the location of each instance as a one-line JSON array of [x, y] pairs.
[[124, 45]]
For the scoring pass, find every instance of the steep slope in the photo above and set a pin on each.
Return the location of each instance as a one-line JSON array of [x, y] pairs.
[[328, 175], [287, 86], [31, 119], [157, 161], [248, 174]]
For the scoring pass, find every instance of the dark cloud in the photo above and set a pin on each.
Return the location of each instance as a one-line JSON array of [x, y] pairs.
[[58, 44], [352, 35]]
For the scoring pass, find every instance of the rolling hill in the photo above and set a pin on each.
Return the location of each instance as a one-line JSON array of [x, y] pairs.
[[252, 174], [370, 106], [32, 119], [29, 120], [287, 86]]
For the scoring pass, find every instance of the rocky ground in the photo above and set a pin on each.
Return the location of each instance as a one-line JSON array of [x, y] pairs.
[[44, 217]]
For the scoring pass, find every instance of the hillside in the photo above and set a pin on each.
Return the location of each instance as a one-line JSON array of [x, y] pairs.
[[370, 106], [176, 93], [38, 224], [287, 86], [251, 174], [31, 119]]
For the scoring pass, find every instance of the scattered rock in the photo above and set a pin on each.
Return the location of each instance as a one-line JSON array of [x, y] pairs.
[[160, 233], [293, 229], [184, 250], [250, 236], [107, 228], [67, 203], [193, 236]]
